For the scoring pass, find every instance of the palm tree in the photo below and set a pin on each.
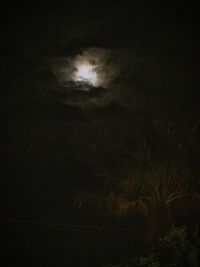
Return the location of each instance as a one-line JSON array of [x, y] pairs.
[[150, 189], [151, 193]]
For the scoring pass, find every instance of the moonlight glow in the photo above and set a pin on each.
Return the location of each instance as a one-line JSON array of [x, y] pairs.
[[86, 73]]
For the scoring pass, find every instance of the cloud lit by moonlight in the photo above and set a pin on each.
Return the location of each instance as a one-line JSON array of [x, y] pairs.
[[99, 76], [91, 68]]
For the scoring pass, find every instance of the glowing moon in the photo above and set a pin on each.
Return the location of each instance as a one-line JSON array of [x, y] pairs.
[[86, 73]]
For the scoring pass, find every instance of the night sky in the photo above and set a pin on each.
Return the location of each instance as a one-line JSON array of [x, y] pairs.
[[64, 129]]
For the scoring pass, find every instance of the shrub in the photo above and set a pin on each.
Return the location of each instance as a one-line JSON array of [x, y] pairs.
[[177, 248]]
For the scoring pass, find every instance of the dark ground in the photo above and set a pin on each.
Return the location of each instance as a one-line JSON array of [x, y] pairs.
[[50, 246]]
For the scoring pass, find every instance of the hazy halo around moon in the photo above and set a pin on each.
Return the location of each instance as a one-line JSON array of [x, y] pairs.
[[93, 67]]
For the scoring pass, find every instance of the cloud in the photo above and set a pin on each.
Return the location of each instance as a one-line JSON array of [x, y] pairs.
[[64, 68], [121, 75], [79, 92]]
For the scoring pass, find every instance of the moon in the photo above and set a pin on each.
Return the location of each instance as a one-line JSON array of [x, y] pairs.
[[86, 73]]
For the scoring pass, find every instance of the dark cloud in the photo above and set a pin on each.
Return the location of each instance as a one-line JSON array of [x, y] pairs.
[[122, 76]]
